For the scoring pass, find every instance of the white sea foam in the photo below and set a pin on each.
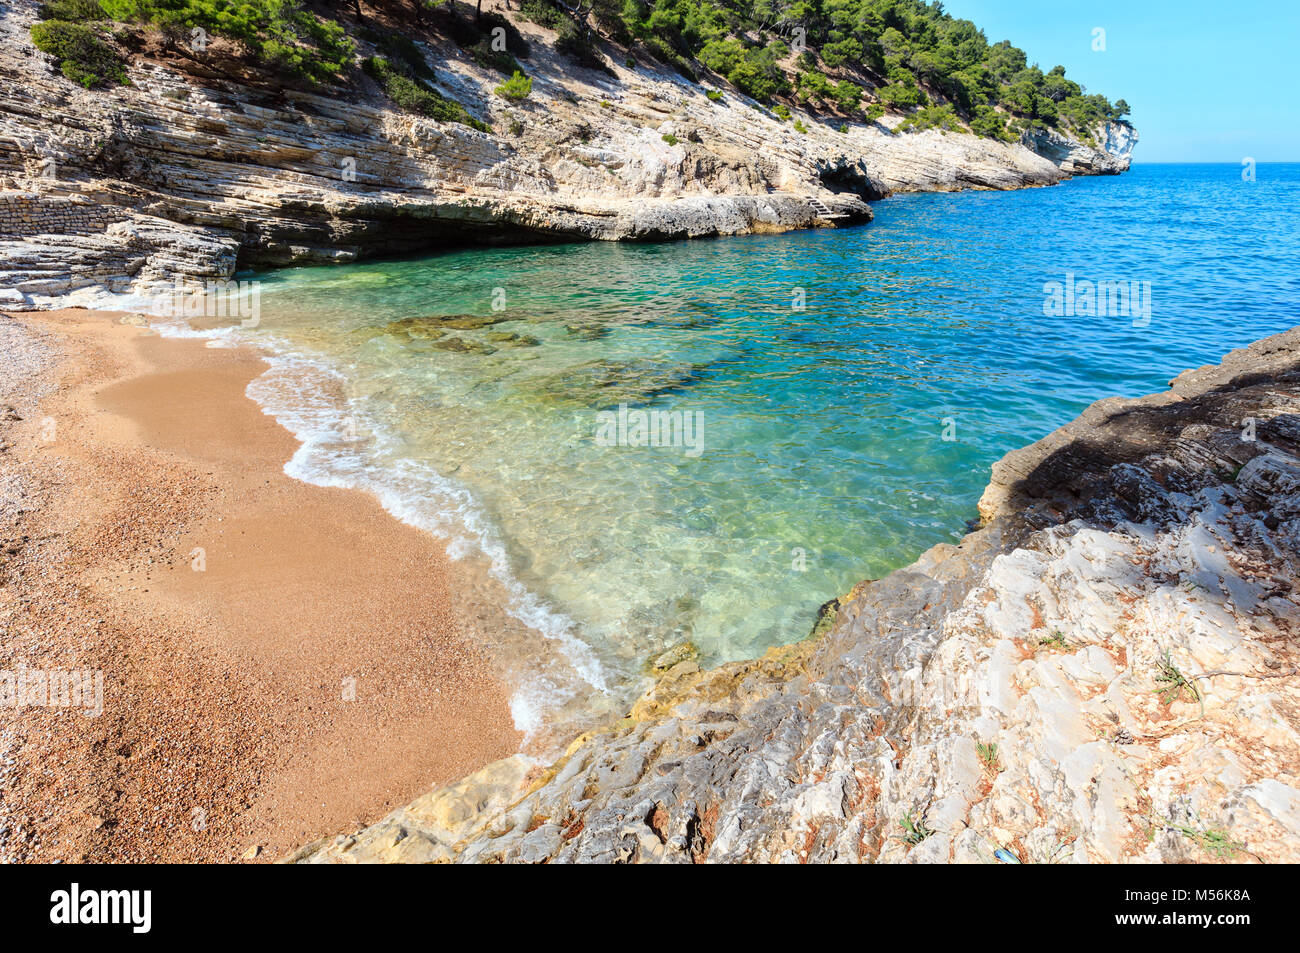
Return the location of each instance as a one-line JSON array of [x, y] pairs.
[[342, 446]]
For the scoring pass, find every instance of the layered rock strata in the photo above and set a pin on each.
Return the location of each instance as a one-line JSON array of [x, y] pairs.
[[218, 174]]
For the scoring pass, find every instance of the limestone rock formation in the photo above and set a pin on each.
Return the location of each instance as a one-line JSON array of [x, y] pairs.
[[1106, 671], [206, 165]]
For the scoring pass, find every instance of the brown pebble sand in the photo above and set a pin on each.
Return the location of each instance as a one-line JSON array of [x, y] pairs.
[[304, 674]]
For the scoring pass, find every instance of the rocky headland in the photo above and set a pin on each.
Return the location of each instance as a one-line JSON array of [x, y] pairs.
[[189, 172], [1105, 671]]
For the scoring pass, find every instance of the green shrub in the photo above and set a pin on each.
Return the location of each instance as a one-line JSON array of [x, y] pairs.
[[755, 71], [395, 46], [714, 96], [669, 138], [902, 95], [799, 126], [575, 43], [816, 87], [83, 56], [782, 112], [541, 12], [664, 53], [72, 11], [848, 95], [415, 96], [931, 117], [841, 52], [499, 60], [990, 124], [813, 85], [516, 87]]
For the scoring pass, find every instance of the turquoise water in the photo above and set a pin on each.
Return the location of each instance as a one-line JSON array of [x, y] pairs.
[[822, 457]]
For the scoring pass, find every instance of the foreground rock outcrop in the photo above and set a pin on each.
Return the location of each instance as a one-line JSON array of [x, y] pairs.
[[206, 174], [1106, 671]]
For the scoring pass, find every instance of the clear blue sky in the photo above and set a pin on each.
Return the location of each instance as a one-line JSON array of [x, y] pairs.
[[1207, 82]]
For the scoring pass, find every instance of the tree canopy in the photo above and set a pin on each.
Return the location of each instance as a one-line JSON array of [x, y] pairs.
[[903, 54]]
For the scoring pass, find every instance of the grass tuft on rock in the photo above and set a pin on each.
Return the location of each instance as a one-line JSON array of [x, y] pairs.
[[915, 829]]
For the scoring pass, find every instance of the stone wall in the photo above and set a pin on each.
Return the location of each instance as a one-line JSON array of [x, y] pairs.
[[66, 251], [23, 214]]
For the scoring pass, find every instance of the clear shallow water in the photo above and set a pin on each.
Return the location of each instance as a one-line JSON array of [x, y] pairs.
[[823, 460]]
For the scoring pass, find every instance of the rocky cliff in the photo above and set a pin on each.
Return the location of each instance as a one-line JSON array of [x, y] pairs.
[[1106, 671], [207, 173]]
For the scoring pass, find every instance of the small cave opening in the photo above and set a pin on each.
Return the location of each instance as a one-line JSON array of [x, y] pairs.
[[851, 179]]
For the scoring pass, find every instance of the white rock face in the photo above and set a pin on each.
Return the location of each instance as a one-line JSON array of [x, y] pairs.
[[1113, 152], [283, 176], [1118, 139], [1107, 672]]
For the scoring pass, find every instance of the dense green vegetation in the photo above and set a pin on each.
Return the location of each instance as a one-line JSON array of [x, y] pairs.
[[931, 117], [836, 54], [281, 34], [851, 59], [71, 10]]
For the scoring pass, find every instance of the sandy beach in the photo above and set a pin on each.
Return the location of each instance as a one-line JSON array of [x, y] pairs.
[[281, 662]]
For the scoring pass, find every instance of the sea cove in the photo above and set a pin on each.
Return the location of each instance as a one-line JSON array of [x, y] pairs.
[[855, 426]]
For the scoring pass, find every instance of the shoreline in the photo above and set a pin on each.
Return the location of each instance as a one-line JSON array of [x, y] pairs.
[[262, 685], [224, 735], [1009, 695]]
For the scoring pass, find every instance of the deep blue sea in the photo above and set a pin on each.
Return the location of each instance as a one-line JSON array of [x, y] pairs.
[[847, 390]]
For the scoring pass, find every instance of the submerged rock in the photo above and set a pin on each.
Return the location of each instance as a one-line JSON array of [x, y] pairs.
[[464, 346], [510, 339], [607, 383], [681, 652], [469, 322], [434, 325], [1108, 670], [588, 332], [418, 329]]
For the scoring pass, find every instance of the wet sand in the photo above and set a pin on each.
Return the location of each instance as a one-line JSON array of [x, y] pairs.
[[282, 662]]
